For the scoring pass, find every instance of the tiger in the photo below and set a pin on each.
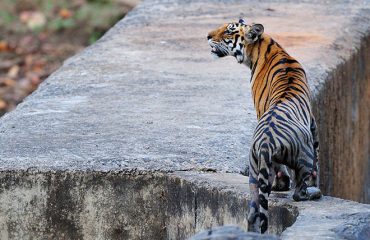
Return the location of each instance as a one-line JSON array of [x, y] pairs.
[[286, 134]]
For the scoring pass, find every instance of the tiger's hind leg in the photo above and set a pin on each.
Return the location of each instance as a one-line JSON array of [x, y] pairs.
[[281, 179], [308, 179]]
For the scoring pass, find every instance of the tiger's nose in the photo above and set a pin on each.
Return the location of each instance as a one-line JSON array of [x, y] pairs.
[[209, 37]]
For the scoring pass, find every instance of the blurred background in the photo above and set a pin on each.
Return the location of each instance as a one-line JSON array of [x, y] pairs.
[[36, 36]]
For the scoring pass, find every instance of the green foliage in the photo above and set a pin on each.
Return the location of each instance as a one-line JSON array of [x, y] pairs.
[[6, 17], [95, 36], [58, 24], [90, 18]]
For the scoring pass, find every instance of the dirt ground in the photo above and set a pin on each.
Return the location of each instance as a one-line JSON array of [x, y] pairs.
[[36, 36]]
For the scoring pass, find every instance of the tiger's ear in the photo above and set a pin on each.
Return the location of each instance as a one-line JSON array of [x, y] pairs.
[[254, 32]]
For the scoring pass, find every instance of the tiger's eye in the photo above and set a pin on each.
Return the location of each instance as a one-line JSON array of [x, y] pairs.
[[227, 32]]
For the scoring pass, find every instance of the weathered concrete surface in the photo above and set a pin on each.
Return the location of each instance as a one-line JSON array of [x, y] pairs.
[[149, 97], [141, 205], [123, 205], [330, 218], [345, 126], [230, 233]]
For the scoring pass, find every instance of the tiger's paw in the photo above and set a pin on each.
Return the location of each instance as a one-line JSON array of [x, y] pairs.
[[313, 193], [281, 183], [310, 193]]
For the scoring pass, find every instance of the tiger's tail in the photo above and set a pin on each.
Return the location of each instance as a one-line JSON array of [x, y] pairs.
[[264, 182], [260, 182]]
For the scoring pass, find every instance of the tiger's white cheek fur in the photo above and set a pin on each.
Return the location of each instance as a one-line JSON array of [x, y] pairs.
[[239, 53]]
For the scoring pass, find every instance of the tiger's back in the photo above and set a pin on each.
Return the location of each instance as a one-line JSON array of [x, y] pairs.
[[276, 77], [282, 101]]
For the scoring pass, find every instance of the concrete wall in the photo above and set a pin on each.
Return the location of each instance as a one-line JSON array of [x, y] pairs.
[[92, 205], [342, 111]]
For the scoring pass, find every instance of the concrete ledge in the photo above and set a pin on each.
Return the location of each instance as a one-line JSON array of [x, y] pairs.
[[132, 205], [137, 205], [143, 135]]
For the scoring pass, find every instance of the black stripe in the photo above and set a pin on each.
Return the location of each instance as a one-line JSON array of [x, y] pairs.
[[264, 173], [258, 57], [263, 202], [272, 42], [235, 41]]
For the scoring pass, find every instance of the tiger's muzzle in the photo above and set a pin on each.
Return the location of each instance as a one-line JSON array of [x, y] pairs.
[[217, 49]]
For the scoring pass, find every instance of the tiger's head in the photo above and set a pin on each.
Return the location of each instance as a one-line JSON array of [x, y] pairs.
[[234, 39]]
